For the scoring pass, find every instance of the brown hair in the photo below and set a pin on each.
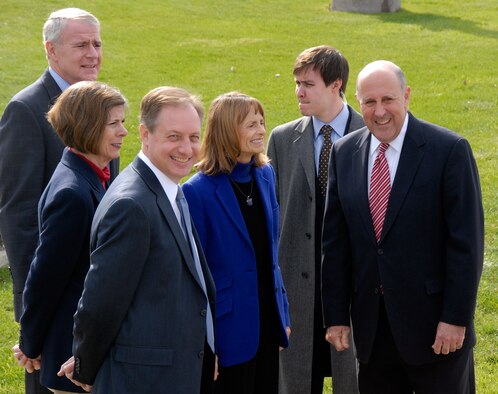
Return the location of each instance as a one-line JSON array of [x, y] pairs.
[[220, 147], [157, 98], [81, 112], [328, 61]]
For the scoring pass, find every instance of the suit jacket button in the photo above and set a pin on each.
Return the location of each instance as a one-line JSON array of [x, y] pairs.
[[203, 313], [308, 235], [201, 354], [304, 275], [380, 251]]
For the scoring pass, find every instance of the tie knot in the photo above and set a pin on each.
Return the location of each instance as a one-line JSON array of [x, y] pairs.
[[326, 131], [383, 147]]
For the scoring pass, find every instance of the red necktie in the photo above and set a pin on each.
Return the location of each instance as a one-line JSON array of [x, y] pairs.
[[380, 188]]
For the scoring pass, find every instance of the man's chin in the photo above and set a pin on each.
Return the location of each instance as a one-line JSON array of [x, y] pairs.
[[89, 76]]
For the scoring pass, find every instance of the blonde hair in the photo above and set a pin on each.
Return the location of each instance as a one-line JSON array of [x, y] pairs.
[[157, 98], [221, 147]]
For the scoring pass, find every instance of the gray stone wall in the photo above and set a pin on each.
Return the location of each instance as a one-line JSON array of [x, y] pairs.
[[366, 6]]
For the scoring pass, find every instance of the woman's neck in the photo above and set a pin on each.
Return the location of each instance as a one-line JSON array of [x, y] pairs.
[[242, 172]]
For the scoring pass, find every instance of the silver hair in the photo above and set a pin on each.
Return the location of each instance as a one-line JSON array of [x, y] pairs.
[[57, 20]]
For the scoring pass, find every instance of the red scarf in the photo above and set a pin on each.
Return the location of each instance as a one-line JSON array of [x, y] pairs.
[[103, 173]]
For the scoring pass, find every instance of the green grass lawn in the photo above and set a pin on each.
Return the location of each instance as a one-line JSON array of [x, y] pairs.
[[447, 48]]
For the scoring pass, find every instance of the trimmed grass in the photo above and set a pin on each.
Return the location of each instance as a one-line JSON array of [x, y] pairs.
[[447, 49]]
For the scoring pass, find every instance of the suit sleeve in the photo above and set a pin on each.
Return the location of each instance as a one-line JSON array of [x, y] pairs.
[[272, 154], [120, 244], [336, 256], [276, 223], [65, 223], [463, 214], [21, 185]]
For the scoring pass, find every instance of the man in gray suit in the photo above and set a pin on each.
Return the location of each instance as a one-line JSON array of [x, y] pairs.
[[321, 75], [142, 324], [30, 149]]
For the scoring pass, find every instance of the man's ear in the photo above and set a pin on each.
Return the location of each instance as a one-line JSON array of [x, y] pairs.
[[144, 133], [337, 84], [50, 49]]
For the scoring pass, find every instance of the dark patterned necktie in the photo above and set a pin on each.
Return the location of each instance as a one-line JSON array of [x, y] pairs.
[[323, 162], [380, 188]]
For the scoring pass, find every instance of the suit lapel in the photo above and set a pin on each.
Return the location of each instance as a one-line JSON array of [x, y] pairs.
[[411, 156], [77, 164], [304, 148], [53, 90], [227, 199], [359, 163], [167, 210]]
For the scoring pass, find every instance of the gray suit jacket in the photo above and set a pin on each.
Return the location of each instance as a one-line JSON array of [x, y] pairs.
[[290, 148], [29, 152], [140, 326]]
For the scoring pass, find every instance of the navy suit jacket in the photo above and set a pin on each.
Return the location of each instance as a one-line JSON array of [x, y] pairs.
[[232, 261], [29, 152], [140, 326], [429, 259], [55, 279]]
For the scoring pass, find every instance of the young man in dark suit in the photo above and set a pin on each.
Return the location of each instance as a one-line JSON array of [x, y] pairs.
[[321, 76], [30, 149], [403, 243]]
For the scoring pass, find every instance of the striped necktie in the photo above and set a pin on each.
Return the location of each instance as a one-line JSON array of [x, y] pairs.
[[380, 188]]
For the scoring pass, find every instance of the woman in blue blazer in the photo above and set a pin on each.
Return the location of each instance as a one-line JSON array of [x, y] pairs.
[[88, 117], [234, 208]]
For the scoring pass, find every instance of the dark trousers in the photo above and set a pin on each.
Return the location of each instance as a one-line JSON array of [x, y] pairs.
[[32, 384], [256, 376], [207, 378], [387, 373]]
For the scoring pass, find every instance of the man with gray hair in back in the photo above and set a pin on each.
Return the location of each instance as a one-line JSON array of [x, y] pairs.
[[30, 149]]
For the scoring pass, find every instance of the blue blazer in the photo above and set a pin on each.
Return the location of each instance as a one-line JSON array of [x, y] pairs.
[[55, 280], [232, 261]]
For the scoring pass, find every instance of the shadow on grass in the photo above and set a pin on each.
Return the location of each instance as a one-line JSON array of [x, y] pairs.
[[437, 23]]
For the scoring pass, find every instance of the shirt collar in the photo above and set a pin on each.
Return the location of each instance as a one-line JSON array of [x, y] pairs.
[[170, 187], [396, 144], [63, 85], [338, 123]]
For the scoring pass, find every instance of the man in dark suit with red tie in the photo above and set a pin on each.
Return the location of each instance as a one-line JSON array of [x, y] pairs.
[[403, 244]]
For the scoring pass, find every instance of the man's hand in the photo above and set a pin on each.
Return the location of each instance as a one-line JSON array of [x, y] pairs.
[[449, 338], [216, 373], [338, 336], [67, 369], [288, 332], [29, 364]]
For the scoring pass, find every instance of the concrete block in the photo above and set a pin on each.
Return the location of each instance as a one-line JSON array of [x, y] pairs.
[[366, 6]]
